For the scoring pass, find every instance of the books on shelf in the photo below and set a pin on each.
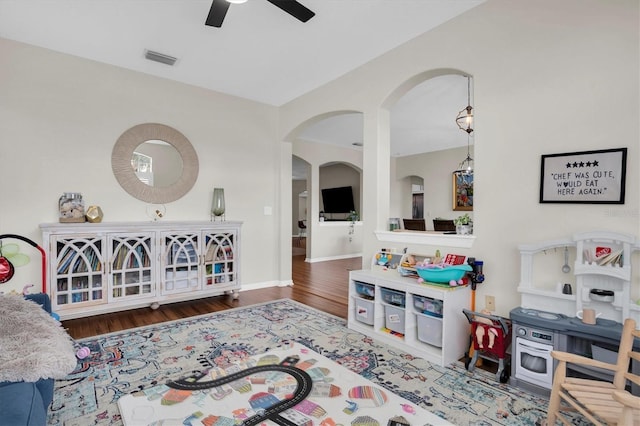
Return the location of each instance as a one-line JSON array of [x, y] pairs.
[[603, 256], [81, 262], [612, 258], [128, 257]]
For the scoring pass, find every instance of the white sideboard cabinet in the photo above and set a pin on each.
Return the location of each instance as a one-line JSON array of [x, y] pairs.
[[95, 268], [391, 308]]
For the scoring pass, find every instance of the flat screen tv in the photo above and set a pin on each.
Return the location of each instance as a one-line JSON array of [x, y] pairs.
[[338, 200]]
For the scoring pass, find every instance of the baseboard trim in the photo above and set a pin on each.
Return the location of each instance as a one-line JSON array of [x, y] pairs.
[[266, 284], [325, 259]]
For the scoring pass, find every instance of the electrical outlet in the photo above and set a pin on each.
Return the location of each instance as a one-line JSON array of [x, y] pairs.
[[490, 303]]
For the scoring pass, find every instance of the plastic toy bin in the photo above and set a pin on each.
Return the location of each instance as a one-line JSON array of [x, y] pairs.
[[430, 329], [392, 297], [363, 310], [427, 305], [365, 290], [394, 318]]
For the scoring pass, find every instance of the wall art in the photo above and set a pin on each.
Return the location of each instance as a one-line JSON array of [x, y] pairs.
[[589, 177], [462, 190]]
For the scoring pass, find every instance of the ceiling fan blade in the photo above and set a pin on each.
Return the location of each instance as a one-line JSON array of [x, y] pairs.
[[217, 13], [294, 8]]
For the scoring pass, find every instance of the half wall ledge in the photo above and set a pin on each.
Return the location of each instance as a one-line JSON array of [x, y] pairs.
[[430, 238]]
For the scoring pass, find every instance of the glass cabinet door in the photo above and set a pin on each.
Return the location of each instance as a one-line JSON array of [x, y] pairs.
[[219, 259], [132, 274], [79, 271], [180, 262]]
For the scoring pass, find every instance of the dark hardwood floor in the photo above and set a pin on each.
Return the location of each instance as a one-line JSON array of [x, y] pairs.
[[322, 285]]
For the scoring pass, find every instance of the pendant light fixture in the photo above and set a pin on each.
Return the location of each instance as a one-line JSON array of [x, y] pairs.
[[466, 166], [464, 120]]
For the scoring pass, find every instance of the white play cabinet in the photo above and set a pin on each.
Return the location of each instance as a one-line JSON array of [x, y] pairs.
[[96, 268], [603, 262], [375, 309]]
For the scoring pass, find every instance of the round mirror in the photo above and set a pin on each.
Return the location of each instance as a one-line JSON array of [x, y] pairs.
[[157, 163], [154, 163]]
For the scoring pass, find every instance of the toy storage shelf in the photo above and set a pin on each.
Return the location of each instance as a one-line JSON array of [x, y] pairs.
[[392, 304], [96, 268]]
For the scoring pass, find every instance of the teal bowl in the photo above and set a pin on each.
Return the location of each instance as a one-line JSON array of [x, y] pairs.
[[445, 274]]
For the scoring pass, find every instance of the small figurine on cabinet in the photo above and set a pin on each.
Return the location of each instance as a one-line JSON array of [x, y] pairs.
[[483, 329]]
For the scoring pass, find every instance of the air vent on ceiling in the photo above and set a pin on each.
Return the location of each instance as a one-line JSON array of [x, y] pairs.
[[159, 57]]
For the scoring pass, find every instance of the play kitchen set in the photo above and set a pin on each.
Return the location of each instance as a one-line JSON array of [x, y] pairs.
[[582, 314], [411, 301]]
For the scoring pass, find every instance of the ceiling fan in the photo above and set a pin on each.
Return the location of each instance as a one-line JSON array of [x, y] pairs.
[[292, 7]]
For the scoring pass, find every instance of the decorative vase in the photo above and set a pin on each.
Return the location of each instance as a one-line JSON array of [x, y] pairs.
[[94, 214], [463, 229], [217, 206]]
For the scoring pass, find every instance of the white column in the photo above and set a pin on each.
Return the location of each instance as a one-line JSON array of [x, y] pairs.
[[375, 170]]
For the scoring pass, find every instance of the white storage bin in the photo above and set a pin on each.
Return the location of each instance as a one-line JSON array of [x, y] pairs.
[[430, 330], [394, 318], [363, 310]]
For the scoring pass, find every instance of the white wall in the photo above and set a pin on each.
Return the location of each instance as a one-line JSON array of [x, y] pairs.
[[549, 77], [60, 117]]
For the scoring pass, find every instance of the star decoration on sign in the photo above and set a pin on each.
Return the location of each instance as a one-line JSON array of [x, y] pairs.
[[581, 164]]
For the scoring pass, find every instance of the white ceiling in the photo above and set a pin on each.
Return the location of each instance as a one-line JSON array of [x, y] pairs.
[[423, 120], [261, 53]]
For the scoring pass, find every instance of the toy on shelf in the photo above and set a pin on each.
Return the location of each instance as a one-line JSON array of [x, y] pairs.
[[443, 273], [383, 258], [386, 259], [452, 269]]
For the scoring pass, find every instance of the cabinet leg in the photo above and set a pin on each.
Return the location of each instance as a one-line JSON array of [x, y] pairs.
[[236, 294]]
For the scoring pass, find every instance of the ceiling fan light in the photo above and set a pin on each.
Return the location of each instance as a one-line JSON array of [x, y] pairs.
[[236, 1]]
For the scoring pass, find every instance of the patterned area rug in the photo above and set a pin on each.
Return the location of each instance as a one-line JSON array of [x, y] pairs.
[[121, 363]]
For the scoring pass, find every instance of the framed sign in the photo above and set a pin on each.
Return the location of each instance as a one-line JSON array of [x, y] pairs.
[[590, 177], [462, 190]]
